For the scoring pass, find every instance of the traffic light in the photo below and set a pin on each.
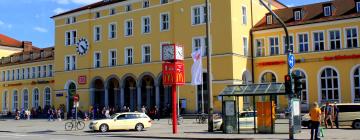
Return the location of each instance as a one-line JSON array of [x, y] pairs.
[[297, 85], [288, 88]]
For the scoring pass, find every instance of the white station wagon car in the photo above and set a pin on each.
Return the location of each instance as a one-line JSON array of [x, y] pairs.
[[246, 121], [122, 121]]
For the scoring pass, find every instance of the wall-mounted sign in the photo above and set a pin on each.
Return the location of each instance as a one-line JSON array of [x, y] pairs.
[[59, 94], [173, 73], [82, 79], [12, 85]]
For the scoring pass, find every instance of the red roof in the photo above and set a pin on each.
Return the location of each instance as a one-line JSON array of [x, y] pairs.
[[9, 42], [312, 13]]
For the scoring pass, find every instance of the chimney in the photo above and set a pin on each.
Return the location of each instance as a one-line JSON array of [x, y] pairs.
[[27, 46]]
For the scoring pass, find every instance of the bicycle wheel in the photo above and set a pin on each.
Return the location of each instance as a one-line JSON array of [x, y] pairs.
[[180, 120], [80, 125], [170, 121], [69, 126]]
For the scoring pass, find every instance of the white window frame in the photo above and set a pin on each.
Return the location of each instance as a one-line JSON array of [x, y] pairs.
[[111, 59], [145, 28], [128, 31], [68, 36], [161, 45], [244, 14], [73, 19], [97, 15], [304, 43], [144, 54], [327, 11], [17, 74], [72, 64], [25, 103], [45, 100], [23, 73], [166, 22], [15, 104], [39, 73], [354, 87], [330, 40], [95, 60], [269, 19], [326, 84], [245, 41], [351, 38], [128, 7], [112, 11], [274, 46], [44, 72], [202, 15], [128, 56], [202, 44], [318, 41], [297, 15], [36, 98], [97, 34], [50, 70], [292, 44], [67, 63], [33, 72], [3, 73], [146, 4], [112, 32], [261, 48]]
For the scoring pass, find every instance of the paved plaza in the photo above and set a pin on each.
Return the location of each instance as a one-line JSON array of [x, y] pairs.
[[44, 130]]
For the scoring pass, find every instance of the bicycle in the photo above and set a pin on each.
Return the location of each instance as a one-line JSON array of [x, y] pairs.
[[75, 124], [180, 120], [201, 119]]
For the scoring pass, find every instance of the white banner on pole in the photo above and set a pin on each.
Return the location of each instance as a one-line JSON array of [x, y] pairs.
[[196, 69]]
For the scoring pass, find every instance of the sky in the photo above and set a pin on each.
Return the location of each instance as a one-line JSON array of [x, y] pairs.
[[29, 20]]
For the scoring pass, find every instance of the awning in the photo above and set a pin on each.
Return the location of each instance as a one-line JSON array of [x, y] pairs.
[[254, 90]]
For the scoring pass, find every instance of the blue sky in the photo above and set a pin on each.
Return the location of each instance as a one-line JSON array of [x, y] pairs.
[[29, 20]]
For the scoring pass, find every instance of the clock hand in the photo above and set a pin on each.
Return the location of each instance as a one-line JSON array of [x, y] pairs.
[[82, 47]]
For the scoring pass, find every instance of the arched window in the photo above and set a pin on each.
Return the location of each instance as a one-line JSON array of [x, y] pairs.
[[25, 99], [357, 85], [268, 77], [5, 101], [304, 98], [47, 97], [15, 100], [329, 85], [36, 98]]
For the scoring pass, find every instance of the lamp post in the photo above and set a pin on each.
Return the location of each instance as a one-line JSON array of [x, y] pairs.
[[209, 79], [291, 122]]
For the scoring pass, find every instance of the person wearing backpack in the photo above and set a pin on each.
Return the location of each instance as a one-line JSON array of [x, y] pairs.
[[315, 117], [329, 113]]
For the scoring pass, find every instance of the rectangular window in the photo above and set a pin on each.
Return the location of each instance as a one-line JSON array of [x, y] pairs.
[[268, 19], [67, 63], [327, 11], [128, 56], [23, 73], [44, 71], [112, 11], [73, 62], [164, 1], [146, 3], [38, 72], [199, 42], [13, 75], [351, 38], [274, 45], [97, 15], [245, 46], [67, 38], [73, 37], [297, 15], [128, 28], [17, 74], [8, 75], [358, 7], [97, 60], [335, 39], [50, 70], [303, 42], [244, 15], [146, 25], [33, 72], [146, 54], [198, 15], [73, 19], [291, 43], [128, 8], [164, 22], [3, 76], [112, 58], [260, 48], [67, 21], [97, 33], [319, 41], [28, 73], [112, 30]]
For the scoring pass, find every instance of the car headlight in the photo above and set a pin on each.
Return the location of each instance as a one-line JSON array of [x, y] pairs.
[[93, 123]]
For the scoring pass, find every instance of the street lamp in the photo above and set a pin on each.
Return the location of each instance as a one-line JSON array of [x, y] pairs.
[[291, 122]]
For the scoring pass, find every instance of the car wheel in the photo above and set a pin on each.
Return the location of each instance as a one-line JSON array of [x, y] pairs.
[[356, 124], [221, 127], [104, 128], [139, 127]]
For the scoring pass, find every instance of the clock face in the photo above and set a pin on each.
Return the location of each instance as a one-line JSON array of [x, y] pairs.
[[179, 53], [168, 52], [82, 46]]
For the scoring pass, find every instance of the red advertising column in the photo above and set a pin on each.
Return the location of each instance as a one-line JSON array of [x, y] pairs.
[[174, 109]]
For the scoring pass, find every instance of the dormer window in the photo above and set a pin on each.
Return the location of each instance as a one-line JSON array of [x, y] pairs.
[[112, 11], [268, 19], [327, 10], [73, 20], [97, 15], [358, 6], [128, 8], [297, 15]]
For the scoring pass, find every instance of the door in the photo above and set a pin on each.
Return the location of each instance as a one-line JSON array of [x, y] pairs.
[[120, 122]]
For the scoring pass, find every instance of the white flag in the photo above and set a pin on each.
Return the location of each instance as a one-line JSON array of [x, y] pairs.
[[196, 69]]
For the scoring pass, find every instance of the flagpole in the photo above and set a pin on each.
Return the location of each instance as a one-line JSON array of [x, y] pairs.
[[202, 94]]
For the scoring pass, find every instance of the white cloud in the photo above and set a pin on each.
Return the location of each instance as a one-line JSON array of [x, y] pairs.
[[5, 25], [62, 1], [81, 2], [40, 29], [59, 10]]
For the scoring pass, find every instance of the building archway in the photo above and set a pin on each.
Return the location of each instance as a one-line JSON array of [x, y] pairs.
[[130, 93], [113, 92], [98, 93], [164, 97], [148, 97]]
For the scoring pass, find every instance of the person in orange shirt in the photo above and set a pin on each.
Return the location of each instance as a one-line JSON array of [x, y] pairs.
[[315, 116]]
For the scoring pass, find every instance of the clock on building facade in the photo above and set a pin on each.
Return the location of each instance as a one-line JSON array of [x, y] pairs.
[[82, 46]]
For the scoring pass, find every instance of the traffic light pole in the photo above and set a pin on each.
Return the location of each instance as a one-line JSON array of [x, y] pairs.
[[291, 122]]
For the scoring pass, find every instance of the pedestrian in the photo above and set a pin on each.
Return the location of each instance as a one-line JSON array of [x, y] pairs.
[[17, 114], [50, 114], [157, 113], [107, 113], [315, 116], [143, 109], [59, 114], [329, 113], [27, 114], [128, 109], [124, 109], [336, 115]]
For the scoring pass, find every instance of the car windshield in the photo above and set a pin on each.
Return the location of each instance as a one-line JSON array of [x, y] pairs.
[[114, 116]]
